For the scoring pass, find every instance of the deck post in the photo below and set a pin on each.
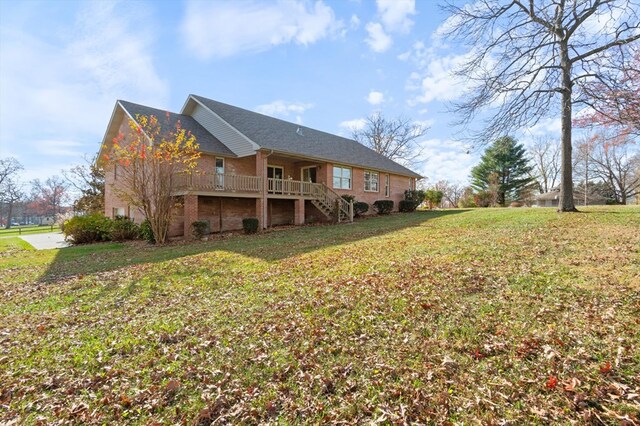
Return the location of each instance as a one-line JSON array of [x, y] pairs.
[[298, 215], [261, 201]]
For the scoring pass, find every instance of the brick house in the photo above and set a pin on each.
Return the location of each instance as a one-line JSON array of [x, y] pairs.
[[253, 165]]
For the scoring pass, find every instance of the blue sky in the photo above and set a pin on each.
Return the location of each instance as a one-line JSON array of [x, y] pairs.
[[326, 64]]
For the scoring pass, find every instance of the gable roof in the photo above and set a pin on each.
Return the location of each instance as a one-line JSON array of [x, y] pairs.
[[290, 138], [168, 120]]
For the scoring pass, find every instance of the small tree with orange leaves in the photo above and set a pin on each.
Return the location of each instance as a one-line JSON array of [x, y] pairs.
[[148, 159]]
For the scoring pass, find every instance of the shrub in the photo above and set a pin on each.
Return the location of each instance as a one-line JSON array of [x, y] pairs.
[[412, 199], [360, 208], [250, 225], [406, 206], [88, 229], [123, 228], [349, 198], [199, 228], [383, 206], [146, 232]]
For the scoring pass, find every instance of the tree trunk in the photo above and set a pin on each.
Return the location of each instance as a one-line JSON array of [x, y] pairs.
[[566, 203], [9, 214]]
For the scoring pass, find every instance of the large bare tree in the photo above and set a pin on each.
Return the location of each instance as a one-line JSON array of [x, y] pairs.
[[9, 167], [526, 54], [394, 138], [545, 157], [11, 193]]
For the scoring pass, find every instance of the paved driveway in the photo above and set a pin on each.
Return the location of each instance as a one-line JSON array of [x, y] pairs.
[[49, 240]]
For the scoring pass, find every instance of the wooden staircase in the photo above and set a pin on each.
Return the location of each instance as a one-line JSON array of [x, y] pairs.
[[331, 204]]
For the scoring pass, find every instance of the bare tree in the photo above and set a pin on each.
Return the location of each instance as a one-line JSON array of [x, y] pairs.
[[527, 53], [545, 157], [395, 139], [452, 192], [8, 167], [50, 195], [88, 179], [616, 163], [11, 194]]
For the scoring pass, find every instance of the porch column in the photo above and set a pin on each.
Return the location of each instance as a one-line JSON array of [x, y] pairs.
[[298, 213], [190, 214], [261, 203]]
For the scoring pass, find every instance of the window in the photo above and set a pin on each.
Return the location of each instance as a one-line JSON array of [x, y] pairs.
[[115, 171], [118, 211], [341, 177], [220, 165], [219, 173], [387, 186], [370, 181]]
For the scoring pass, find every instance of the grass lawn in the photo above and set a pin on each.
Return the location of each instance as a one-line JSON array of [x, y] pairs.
[[520, 316]]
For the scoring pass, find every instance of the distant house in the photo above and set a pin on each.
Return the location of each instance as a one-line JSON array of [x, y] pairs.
[[551, 199], [253, 165]]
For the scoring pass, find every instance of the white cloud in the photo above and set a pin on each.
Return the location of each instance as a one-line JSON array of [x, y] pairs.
[[434, 80], [354, 22], [446, 159], [394, 18], [62, 148], [353, 125], [375, 98], [546, 126], [220, 29], [395, 14], [62, 90], [377, 40], [283, 109]]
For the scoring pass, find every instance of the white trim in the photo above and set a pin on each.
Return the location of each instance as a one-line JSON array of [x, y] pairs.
[[275, 167], [254, 145], [387, 185], [302, 169], [333, 176], [364, 181]]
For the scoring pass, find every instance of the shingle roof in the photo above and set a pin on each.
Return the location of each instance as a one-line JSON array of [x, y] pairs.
[[208, 143], [287, 137]]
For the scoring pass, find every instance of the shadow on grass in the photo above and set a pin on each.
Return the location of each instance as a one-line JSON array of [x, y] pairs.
[[269, 246]]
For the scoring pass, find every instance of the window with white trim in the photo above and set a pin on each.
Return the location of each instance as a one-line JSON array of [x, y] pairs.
[[387, 185], [341, 177], [370, 181]]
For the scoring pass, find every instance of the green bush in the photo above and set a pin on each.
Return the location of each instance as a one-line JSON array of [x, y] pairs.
[[412, 199], [146, 232], [123, 229], [383, 206], [349, 198], [88, 229], [360, 208], [406, 206], [250, 225], [199, 228]]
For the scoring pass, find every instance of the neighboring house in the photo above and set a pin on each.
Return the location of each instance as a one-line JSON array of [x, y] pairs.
[[253, 165], [551, 199]]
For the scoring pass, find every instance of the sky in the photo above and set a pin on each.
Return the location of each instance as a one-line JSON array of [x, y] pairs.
[[325, 64]]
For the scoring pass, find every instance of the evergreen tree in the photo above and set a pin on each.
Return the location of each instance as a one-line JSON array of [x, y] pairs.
[[503, 169]]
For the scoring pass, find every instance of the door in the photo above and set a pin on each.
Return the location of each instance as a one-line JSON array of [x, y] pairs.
[[219, 176], [309, 174], [274, 177]]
